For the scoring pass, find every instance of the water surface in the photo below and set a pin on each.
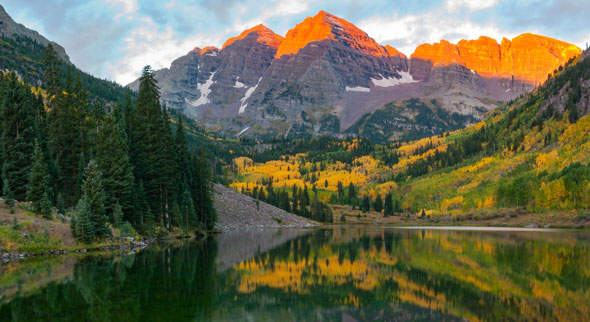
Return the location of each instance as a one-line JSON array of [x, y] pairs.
[[330, 274]]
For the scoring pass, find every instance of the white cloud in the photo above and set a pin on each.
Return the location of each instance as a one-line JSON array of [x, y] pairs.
[[409, 31], [148, 45], [282, 8], [128, 6], [470, 4]]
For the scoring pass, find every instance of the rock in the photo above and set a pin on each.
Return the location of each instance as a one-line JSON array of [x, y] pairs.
[[238, 211], [531, 226]]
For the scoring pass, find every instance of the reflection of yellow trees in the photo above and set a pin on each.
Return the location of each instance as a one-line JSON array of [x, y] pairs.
[[466, 261]]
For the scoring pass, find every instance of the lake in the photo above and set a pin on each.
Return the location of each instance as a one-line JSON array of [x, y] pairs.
[[325, 274]]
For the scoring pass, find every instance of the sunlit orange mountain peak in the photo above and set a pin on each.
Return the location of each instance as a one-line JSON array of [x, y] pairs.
[[264, 36], [527, 57], [393, 52], [327, 26], [207, 49]]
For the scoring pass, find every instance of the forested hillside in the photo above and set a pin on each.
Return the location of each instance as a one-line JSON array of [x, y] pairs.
[[533, 154], [121, 167]]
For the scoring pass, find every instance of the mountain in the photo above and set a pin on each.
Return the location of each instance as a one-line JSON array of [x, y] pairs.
[[326, 74], [12, 30], [21, 51], [532, 155]]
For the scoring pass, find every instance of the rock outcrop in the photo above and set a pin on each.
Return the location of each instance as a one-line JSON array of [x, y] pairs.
[[238, 211], [526, 58]]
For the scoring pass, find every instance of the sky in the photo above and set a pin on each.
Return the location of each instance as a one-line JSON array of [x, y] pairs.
[[114, 39]]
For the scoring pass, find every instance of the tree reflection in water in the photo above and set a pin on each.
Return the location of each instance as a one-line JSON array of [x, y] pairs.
[[329, 274]]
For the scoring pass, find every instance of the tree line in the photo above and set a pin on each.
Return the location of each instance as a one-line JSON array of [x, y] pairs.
[[119, 165]]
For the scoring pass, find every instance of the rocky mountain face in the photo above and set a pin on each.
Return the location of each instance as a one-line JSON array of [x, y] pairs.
[[10, 29], [326, 74]]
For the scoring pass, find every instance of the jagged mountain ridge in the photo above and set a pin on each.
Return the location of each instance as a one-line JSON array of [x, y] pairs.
[[326, 73]]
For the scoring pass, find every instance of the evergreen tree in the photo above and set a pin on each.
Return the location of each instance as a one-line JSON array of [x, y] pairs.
[[69, 128], [378, 204], [61, 208], [46, 206], [351, 193], [388, 206], [81, 224], [112, 158], [148, 136], [202, 190], [118, 215], [51, 76], [366, 204], [340, 190], [8, 196], [38, 180], [93, 192], [17, 137]]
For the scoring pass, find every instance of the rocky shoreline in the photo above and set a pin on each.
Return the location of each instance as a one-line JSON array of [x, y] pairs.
[[131, 245]]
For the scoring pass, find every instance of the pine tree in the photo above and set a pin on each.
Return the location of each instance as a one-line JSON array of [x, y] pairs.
[[351, 193], [366, 204], [202, 190], [8, 196], [17, 137], [46, 211], [61, 208], [118, 215], [388, 207], [378, 204], [38, 180], [51, 75], [81, 224], [93, 192], [112, 157], [146, 128], [69, 140]]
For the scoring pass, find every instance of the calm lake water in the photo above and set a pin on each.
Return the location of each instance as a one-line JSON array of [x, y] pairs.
[[331, 274]]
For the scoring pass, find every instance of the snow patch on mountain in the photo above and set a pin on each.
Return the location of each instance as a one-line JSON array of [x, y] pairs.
[[246, 96], [392, 81], [239, 84], [205, 90], [358, 89]]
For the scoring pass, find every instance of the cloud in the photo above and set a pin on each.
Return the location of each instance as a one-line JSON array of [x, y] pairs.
[[470, 4], [281, 8], [150, 45], [408, 31], [128, 6]]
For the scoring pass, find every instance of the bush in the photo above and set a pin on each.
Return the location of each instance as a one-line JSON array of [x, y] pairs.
[[127, 230]]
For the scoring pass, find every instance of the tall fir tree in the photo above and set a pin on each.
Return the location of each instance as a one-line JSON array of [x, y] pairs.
[[69, 128], [378, 204], [93, 192], [388, 206], [52, 65], [38, 180], [17, 123], [202, 190], [112, 157]]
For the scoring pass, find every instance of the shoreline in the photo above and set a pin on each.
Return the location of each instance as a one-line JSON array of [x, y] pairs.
[[141, 244]]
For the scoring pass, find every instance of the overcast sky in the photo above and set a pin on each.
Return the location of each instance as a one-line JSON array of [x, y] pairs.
[[114, 39]]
